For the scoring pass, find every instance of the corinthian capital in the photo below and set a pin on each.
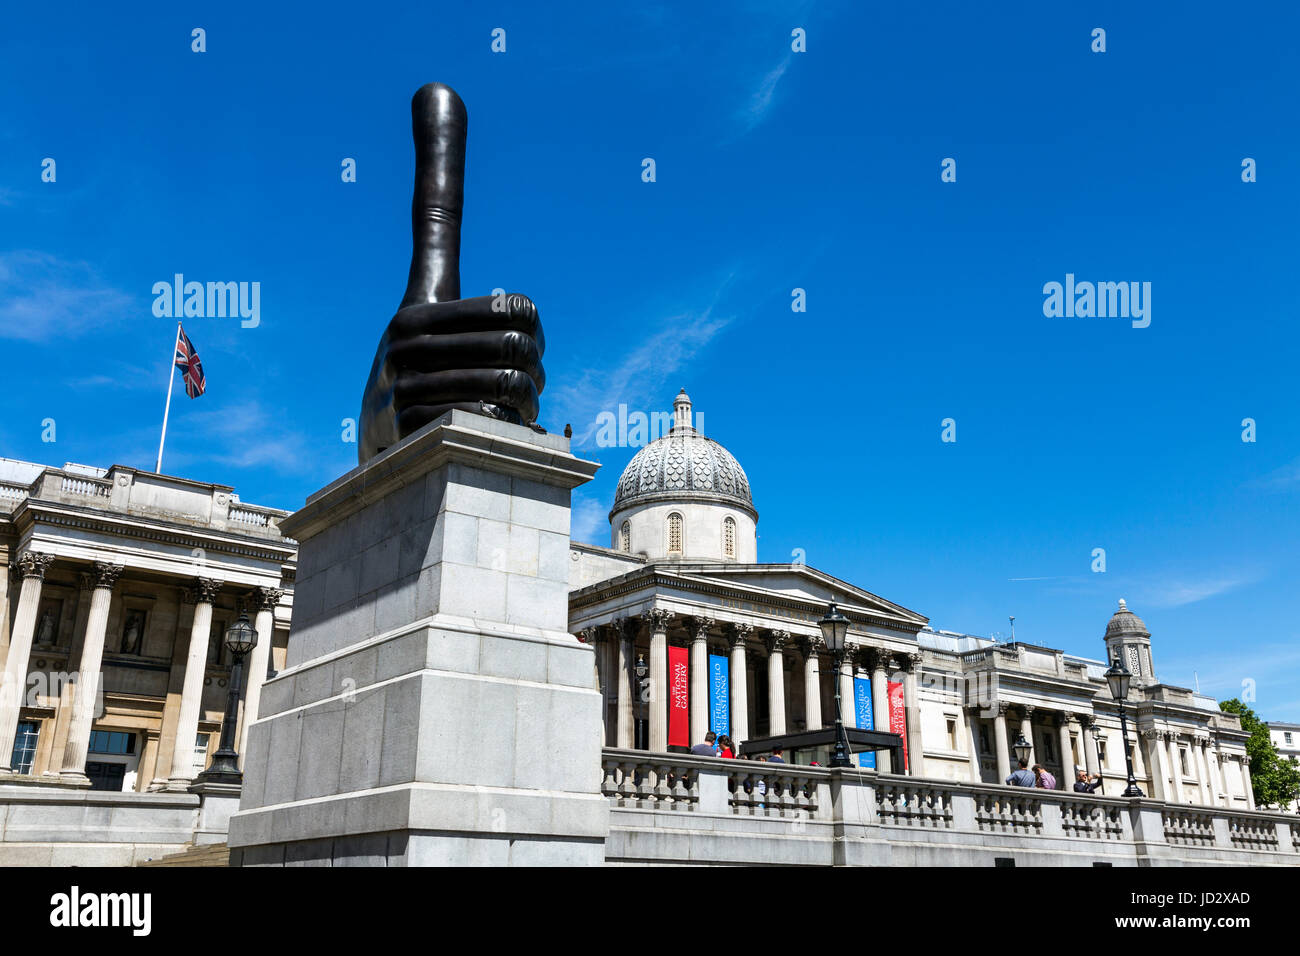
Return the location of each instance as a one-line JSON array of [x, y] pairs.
[[700, 626], [105, 575], [777, 640], [658, 618], [738, 634], [204, 590], [33, 564], [266, 599]]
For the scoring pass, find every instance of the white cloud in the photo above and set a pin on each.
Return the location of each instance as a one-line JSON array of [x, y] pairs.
[[761, 101], [1178, 592], [589, 522], [42, 296]]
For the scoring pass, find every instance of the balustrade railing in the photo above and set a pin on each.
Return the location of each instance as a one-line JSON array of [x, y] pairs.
[[649, 783], [11, 492], [920, 811], [1082, 818], [914, 805], [1188, 827], [1009, 812], [85, 486], [760, 790]]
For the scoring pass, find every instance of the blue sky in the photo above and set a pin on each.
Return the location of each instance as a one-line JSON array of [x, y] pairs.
[[775, 170]]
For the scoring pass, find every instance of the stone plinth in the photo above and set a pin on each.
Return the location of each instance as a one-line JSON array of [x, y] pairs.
[[434, 709]]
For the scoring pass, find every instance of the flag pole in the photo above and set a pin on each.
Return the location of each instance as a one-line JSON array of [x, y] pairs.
[[171, 380]]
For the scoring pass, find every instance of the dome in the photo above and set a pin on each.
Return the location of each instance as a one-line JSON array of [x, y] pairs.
[[683, 466], [1124, 621]]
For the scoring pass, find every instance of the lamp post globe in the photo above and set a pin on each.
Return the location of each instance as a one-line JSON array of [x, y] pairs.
[[240, 638], [835, 629], [1023, 748]]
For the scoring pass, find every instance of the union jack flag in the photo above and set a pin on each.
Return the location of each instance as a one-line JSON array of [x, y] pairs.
[[188, 359]]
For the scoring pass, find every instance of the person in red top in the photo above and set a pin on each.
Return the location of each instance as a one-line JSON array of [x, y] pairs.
[[725, 748]]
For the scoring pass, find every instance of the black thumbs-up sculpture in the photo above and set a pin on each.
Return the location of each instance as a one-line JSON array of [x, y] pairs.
[[440, 351]]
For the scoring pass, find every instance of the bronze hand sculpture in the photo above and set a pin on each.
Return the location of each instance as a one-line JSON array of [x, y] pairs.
[[440, 351]]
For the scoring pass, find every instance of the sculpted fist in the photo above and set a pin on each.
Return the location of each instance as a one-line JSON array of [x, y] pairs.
[[441, 351]]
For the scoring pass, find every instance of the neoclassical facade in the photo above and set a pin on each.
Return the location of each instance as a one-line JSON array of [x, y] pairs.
[[679, 584], [116, 587]]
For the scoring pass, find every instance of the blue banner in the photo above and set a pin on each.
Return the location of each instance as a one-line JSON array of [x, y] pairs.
[[865, 718], [719, 695]]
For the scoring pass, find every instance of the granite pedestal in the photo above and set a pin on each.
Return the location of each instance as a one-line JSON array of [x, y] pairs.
[[434, 708]]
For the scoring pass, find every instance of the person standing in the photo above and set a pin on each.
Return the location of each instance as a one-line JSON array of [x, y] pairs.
[[1043, 778], [1083, 785], [725, 748], [1022, 776], [707, 749]]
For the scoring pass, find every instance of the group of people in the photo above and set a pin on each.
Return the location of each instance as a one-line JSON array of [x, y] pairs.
[[720, 745], [1042, 778]]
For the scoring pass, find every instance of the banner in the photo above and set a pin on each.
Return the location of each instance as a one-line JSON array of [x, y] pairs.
[[679, 712], [898, 718], [866, 721], [719, 695]]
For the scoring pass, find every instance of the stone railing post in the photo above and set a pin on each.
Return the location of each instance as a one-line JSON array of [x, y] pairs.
[[713, 791], [1053, 825], [963, 809], [1222, 832]]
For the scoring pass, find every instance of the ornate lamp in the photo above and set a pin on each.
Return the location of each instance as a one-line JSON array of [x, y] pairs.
[[835, 628], [240, 639], [1023, 748], [1118, 677]]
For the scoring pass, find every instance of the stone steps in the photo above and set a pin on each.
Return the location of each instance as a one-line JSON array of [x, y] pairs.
[[214, 854]]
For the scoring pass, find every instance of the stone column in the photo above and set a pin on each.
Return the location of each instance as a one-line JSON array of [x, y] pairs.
[[196, 662], [812, 682], [1156, 764], [1027, 731], [13, 683], [595, 637], [912, 712], [1067, 761], [1245, 781], [1089, 744], [1000, 743], [879, 661], [739, 683], [845, 677], [700, 627], [658, 620], [75, 751], [1171, 741], [776, 642], [265, 600], [626, 730], [973, 733], [1216, 776], [1203, 770]]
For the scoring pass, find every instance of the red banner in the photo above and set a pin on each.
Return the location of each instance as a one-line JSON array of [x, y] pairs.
[[679, 712], [898, 717]]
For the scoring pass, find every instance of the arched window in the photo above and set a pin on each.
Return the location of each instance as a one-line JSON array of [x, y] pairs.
[[674, 533], [625, 537], [729, 537]]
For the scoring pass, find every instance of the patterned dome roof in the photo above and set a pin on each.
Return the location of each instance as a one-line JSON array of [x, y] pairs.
[[1125, 621], [683, 465]]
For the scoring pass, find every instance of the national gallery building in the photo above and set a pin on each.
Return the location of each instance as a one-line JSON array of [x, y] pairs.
[[135, 577]]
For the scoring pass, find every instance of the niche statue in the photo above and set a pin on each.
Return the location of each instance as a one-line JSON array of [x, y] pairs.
[[440, 351]]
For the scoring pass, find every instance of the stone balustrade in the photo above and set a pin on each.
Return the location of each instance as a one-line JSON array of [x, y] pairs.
[[677, 808]]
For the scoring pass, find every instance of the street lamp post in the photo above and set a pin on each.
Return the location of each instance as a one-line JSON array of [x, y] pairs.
[[240, 637], [1099, 738], [1118, 678], [835, 626], [1023, 748]]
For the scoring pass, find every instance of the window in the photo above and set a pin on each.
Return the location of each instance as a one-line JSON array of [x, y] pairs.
[[25, 746], [1101, 752], [952, 733], [984, 740], [133, 631], [625, 537], [729, 537], [111, 742], [200, 753], [674, 533], [1287, 735], [1182, 760]]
